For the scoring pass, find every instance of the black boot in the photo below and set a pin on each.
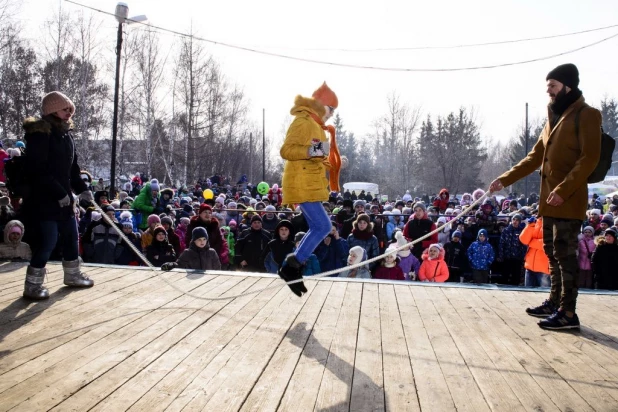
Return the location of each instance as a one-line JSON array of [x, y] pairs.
[[289, 272]]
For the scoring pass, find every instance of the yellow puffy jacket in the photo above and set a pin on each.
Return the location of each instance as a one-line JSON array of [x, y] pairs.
[[304, 178]]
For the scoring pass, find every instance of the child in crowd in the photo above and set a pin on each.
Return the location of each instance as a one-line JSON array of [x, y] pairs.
[[605, 261], [198, 256], [173, 239], [445, 234], [126, 255], [279, 247], [433, 268], [148, 235], [357, 255], [160, 251], [389, 269], [333, 251], [481, 255], [454, 255], [536, 261], [586, 248], [312, 265], [13, 247], [408, 263], [181, 232]]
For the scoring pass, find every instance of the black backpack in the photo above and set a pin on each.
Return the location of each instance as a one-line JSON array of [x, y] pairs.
[[608, 144], [16, 176]]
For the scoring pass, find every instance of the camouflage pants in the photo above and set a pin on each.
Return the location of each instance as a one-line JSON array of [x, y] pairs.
[[560, 244]]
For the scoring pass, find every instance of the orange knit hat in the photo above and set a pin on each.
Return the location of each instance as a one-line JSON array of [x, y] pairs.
[[326, 96]]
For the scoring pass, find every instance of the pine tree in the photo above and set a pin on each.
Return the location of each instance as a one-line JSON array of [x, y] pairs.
[[609, 111]]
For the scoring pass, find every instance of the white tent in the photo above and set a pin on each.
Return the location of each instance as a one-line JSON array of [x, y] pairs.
[[358, 186]]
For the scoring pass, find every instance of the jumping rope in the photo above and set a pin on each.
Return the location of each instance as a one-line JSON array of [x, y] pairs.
[[321, 275]]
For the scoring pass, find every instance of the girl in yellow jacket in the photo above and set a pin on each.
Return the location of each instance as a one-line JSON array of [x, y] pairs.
[[306, 151], [536, 262]]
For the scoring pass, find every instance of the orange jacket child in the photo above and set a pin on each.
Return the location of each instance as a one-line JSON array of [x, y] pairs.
[[434, 267], [532, 235]]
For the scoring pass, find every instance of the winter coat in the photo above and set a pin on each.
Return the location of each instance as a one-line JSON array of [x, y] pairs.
[[586, 248], [147, 238], [536, 260], [274, 197], [199, 258], [125, 255], [16, 249], [510, 246], [304, 178], [276, 250], [312, 266], [455, 255], [440, 203], [605, 265], [174, 240], [416, 228], [565, 159], [51, 169], [386, 273], [360, 273], [392, 225], [270, 224], [181, 232], [409, 264], [481, 254], [249, 247], [433, 270], [367, 241], [145, 204], [215, 239], [101, 242], [332, 256], [159, 253]]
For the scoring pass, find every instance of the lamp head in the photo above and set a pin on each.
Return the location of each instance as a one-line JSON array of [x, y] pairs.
[[122, 12]]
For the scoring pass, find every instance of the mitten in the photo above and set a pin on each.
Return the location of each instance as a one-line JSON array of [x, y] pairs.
[[168, 266]]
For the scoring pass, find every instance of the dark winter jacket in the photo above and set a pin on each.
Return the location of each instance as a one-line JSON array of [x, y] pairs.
[[481, 254], [249, 248], [199, 258], [101, 242], [334, 255], [276, 250], [416, 228], [126, 255], [52, 169], [312, 266], [605, 265], [174, 240], [215, 239], [510, 246], [159, 253], [455, 255], [270, 224]]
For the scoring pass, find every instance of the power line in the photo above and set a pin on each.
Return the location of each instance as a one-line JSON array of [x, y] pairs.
[[354, 66]]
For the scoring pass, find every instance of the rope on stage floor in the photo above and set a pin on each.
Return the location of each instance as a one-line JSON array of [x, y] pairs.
[[321, 275]]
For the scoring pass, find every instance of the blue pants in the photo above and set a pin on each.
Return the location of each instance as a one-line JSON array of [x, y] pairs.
[[319, 227], [536, 279], [51, 232]]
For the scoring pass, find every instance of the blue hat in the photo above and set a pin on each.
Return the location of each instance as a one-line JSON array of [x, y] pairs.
[[482, 232], [456, 233], [20, 144]]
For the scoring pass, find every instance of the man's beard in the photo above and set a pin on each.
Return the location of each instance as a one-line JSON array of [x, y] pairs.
[[559, 95]]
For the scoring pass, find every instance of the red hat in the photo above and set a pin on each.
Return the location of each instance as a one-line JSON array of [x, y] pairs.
[[204, 206], [326, 96]]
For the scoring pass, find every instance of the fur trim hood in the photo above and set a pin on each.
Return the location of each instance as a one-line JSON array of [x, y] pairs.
[[477, 194], [44, 125], [7, 230], [425, 255], [307, 104]]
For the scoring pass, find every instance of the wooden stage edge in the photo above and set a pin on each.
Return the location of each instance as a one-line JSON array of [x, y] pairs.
[[132, 342]]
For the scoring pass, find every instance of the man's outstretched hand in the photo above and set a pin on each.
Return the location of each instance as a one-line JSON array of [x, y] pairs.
[[496, 186]]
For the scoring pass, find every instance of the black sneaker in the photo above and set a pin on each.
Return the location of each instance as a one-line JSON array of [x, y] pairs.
[[546, 309], [560, 320], [289, 273]]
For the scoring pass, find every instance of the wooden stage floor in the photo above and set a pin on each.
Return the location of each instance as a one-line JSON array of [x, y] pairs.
[[134, 343]]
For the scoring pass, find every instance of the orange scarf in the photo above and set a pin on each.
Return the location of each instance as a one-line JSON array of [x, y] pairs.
[[334, 159]]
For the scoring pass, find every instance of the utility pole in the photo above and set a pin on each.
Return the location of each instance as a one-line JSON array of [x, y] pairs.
[[263, 145], [527, 137]]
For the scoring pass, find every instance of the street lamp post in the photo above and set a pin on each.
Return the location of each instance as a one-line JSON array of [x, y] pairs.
[[122, 12]]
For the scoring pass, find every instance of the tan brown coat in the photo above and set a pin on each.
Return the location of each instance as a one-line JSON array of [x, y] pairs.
[[565, 160]]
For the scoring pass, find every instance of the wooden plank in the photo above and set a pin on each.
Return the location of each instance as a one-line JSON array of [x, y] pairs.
[[507, 378], [368, 381], [122, 386], [432, 389], [547, 344], [304, 385], [37, 339], [269, 389], [464, 389], [92, 361], [336, 386], [399, 387], [197, 394], [161, 395]]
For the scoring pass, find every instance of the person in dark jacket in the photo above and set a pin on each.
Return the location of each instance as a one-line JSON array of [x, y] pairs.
[[605, 261], [279, 247], [101, 239], [47, 210], [333, 252], [126, 255], [270, 221], [172, 237], [251, 243], [198, 255], [346, 229], [211, 224], [455, 256], [511, 252], [418, 226], [362, 235], [160, 251]]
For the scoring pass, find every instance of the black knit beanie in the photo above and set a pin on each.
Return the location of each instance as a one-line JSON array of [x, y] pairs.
[[566, 74]]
